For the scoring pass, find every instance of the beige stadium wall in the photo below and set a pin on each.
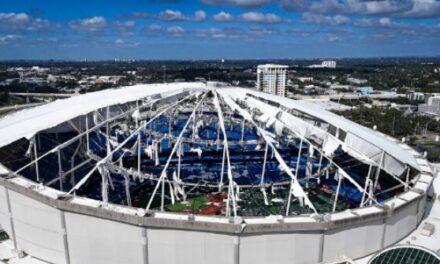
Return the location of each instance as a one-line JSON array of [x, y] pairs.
[[41, 229]]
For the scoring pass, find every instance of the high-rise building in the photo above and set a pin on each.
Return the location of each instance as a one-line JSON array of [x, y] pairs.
[[271, 78], [325, 64], [329, 64]]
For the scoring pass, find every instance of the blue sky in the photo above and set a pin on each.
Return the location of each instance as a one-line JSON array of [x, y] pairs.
[[216, 29]]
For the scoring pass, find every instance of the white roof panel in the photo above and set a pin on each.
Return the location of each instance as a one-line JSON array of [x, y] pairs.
[[365, 133], [27, 122]]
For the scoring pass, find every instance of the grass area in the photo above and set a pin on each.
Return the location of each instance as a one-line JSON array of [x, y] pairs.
[[191, 204], [428, 142]]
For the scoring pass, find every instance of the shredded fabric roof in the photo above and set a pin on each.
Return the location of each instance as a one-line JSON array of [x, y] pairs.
[[25, 123]]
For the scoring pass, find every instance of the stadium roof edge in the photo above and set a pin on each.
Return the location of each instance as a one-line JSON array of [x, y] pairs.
[[26, 123]]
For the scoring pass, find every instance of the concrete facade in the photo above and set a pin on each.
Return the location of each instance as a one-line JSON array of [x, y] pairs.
[[431, 107], [271, 79], [60, 231]]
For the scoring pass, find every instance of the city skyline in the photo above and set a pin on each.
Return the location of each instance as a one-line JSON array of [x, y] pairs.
[[216, 29]]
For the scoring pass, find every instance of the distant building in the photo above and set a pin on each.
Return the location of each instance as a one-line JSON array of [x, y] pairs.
[[329, 64], [415, 96], [365, 90], [200, 79], [325, 64], [109, 79], [271, 78], [431, 107], [340, 86], [305, 79], [356, 81]]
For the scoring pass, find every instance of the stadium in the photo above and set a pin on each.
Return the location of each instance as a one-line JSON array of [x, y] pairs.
[[201, 173]]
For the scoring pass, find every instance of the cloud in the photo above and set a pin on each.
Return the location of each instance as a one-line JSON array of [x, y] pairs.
[[134, 15], [175, 15], [167, 15], [257, 17], [154, 27], [393, 8], [124, 27], [233, 32], [125, 24], [211, 32], [304, 32], [223, 17], [383, 22], [22, 21], [332, 38], [199, 15], [9, 38], [368, 7], [423, 9], [239, 3], [158, 30], [328, 20], [263, 31], [176, 30], [122, 43], [92, 24]]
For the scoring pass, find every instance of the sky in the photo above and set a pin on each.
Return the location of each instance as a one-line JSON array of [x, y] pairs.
[[217, 29]]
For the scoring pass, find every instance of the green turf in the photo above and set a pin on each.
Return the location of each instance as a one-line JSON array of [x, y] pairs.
[[191, 204]]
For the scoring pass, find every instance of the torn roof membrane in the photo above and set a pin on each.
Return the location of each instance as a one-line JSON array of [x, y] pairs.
[[359, 139], [26, 123]]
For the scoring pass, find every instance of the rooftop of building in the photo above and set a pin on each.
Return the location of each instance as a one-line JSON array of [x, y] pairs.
[[267, 66]]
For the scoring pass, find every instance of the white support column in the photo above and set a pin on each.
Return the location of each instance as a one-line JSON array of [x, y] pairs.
[[320, 162], [408, 170], [107, 130], [378, 170], [162, 197], [366, 184], [222, 171], [337, 192], [104, 185], [231, 194], [193, 136], [179, 161], [11, 218], [127, 189], [37, 170], [65, 240], [296, 175]]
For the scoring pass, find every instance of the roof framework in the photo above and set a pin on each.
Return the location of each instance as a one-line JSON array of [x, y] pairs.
[[225, 107]]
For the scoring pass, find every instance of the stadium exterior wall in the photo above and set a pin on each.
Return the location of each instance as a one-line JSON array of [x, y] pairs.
[[59, 231]]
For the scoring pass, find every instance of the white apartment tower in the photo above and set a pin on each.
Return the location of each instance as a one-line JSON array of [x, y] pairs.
[[271, 78], [329, 64]]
